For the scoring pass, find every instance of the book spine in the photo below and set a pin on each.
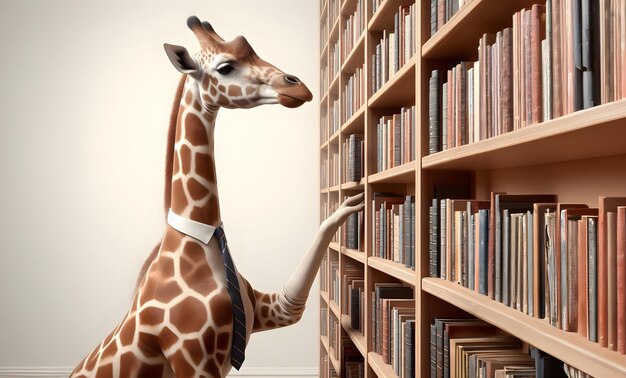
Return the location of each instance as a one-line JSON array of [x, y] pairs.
[[507, 80], [611, 232], [536, 35], [483, 219], [621, 276], [506, 229], [593, 278]]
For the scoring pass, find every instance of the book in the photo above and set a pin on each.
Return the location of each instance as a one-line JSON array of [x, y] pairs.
[[540, 258], [592, 251], [621, 277], [433, 113]]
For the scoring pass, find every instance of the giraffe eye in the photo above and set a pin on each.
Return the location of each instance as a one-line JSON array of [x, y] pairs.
[[225, 68]]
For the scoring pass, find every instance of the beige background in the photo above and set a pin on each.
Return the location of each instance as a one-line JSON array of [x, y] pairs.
[[85, 97]]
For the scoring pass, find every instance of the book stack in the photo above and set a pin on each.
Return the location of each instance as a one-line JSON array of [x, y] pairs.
[[441, 11], [354, 296], [334, 168], [335, 115], [395, 139], [334, 339], [473, 348], [324, 321], [353, 232], [395, 48], [393, 328], [394, 228], [333, 11], [353, 148], [556, 59], [562, 262], [335, 64], [335, 282], [353, 95], [353, 362], [354, 26]]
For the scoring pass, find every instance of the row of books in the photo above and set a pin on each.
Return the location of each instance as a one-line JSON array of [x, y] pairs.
[[393, 326], [335, 282], [324, 78], [353, 96], [334, 61], [332, 207], [334, 169], [334, 117], [441, 11], [473, 348], [374, 5], [353, 362], [395, 48], [324, 167], [355, 25], [334, 338], [334, 8], [562, 262], [394, 228], [557, 58], [325, 368], [324, 273], [354, 232], [353, 162], [395, 135], [354, 297], [323, 320], [324, 133], [324, 32]]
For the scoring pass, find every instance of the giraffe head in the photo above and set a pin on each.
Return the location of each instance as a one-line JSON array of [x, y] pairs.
[[231, 74]]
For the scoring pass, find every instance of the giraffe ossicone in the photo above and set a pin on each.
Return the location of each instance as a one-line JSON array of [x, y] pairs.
[[180, 322]]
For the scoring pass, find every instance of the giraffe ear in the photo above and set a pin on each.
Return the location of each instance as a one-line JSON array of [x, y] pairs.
[[180, 58]]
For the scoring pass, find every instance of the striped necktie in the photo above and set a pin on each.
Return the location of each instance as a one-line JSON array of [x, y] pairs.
[[237, 354]]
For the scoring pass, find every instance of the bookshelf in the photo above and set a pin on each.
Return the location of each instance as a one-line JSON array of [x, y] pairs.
[[577, 156]]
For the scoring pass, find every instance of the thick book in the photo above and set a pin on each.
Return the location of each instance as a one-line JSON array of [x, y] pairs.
[[483, 242], [606, 268], [583, 276], [611, 277], [507, 80], [540, 258], [537, 34], [557, 60], [409, 342], [575, 94], [433, 113]]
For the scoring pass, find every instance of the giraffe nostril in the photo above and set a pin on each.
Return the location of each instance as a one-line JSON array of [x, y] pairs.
[[291, 79]]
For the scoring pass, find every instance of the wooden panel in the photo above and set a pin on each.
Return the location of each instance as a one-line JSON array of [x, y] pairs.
[[380, 368], [355, 336], [566, 346], [393, 269]]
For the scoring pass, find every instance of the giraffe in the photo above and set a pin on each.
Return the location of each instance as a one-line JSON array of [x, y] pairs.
[[180, 321]]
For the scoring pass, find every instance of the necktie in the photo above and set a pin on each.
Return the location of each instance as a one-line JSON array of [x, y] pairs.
[[237, 354]]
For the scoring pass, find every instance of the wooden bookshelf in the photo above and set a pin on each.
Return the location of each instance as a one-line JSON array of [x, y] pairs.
[[578, 157]]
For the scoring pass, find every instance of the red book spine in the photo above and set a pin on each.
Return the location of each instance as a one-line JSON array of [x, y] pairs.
[[507, 83], [557, 101], [621, 279], [450, 125]]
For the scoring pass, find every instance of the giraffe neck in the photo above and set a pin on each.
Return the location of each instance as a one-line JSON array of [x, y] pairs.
[[194, 181]]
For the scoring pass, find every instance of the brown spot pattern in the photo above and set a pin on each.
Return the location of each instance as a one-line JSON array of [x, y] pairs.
[[194, 348], [205, 167], [168, 338], [209, 340], [222, 341], [105, 371], [234, 90], [128, 332], [223, 100], [180, 365], [128, 365], [206, 214], [189, 315], [188, 97], [197, 190], [221, 310], [150, 371], [212, 368], [195, 132], [179, 202], [185, 159], [167, 291], [151, 316]]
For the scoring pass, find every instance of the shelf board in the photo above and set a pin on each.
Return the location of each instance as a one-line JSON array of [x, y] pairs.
[[380, 368], [399, 90], [324, 190], [334, 31], [334, 188], [356, 57], [333, 361], [334, 85], [393, 269], [347, 7], [458, 38], [324, 340], [383, 18], [334, 307], [569, 347], [353, 185], [324, 10], [357, 338], [356, 123], [324, 145], [354, 254], [324, 51], [324, 99], [404, 173], [324, 295], [334, 246], [333, 138], [591, 133]]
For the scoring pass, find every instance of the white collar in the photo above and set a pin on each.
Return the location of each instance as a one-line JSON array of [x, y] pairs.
[[197, 230]]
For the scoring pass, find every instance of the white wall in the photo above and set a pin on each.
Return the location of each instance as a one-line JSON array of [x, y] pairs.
[[85, 97]]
